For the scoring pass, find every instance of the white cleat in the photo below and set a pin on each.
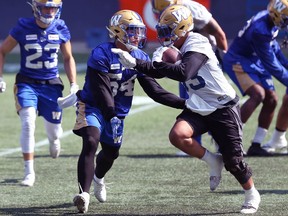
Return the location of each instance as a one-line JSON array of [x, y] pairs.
[[215, 171], [99, 190], [55, 148], [279, 146], [28, 180], [251, 203], [81, 201], [181, 154]]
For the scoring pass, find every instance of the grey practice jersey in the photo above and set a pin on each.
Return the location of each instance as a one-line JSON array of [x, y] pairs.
[[209, 89]]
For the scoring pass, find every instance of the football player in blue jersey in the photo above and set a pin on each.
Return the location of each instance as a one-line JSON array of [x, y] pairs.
[[213, 104], [105, 101], [38, 84], [252, 59]]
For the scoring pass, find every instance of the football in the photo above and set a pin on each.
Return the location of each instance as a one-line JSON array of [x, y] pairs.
[[172, 55]]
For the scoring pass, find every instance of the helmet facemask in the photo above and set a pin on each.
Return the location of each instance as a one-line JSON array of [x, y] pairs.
[[175, 22], [39, 5]]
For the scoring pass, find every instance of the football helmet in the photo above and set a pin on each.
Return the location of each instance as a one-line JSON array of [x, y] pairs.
[[38, 5], [278, 11], [159, 5], [174, 22], [128, 27]]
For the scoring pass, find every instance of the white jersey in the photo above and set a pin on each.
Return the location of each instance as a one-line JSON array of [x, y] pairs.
[[209, 90], [201, 17]]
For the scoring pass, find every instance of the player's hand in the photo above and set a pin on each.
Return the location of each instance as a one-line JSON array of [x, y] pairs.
[[115, 124], [158, 53], [125, 58], [2, 85], [74, 88]]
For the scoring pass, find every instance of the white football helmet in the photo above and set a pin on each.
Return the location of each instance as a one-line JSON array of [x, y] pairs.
[[174, 22], [128, 27], [38, 5], [278, 11]]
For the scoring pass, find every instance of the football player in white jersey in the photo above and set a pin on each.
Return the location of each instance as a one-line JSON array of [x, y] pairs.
[[212, 104], [205, 24], [38, 84]]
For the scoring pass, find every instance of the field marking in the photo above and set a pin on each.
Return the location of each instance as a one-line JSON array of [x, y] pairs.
[[150, 104]]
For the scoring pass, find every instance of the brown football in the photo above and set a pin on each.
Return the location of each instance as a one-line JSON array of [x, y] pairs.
[[171, 55]]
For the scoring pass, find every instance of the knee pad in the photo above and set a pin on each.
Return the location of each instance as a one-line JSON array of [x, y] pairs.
[[27, 139], [54, 131], [239, 169]]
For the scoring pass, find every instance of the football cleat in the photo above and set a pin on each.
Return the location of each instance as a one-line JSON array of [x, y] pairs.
[[81, 201], [182, 154], [256, 150], [215, 171], [251, 203], [55, 148], [99, 189], [276, 146], [28, 180]]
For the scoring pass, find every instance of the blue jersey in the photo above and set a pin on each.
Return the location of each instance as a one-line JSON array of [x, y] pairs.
[[121, 79], [257, 50], [39, 47]]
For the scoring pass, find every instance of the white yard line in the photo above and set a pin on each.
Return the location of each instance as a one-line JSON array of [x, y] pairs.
[[149, 105]]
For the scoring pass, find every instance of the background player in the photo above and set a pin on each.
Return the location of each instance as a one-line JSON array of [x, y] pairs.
[[251, 60], [38, 84]]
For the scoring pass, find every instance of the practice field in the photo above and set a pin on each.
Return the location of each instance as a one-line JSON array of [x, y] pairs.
[[146, 179]]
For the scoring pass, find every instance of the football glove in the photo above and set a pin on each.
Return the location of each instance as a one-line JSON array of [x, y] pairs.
[[125, 58], [74, 87], [69, 100], [115, 124], [158, 53], [2, 85]]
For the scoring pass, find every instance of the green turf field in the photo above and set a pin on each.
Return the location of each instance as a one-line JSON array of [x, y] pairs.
[[147, 178]]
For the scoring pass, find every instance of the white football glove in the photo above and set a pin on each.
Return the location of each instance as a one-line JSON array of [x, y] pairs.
[[74, 87], [69, 100], [158, 53], [2, 85], [125, 58]]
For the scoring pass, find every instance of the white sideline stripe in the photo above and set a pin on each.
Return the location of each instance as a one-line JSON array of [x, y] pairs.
[[67, 133]]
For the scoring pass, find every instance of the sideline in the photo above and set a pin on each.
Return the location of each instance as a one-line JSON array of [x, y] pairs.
[[149, 104]]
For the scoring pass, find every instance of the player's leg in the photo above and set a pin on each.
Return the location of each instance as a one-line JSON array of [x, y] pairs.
[[52, 114], [88, 127], [105, 159], [26, 105], [278, 140], [54, 132], [265, 116], [27, 141], [228, 133], [188, 126]]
